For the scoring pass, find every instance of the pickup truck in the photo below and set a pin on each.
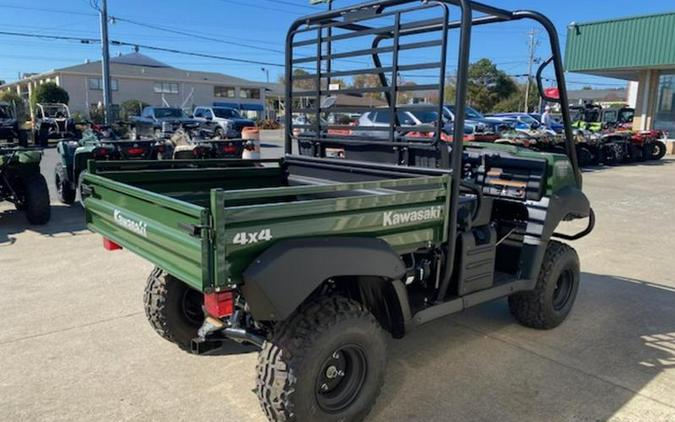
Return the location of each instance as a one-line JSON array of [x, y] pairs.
[[228, 122], [160, 122]]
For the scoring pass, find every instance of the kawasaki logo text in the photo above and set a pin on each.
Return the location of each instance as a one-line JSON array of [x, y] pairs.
[[138, 227], [392, 218]]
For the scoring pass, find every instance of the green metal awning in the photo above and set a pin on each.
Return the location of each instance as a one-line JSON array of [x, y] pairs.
[[620, 48]]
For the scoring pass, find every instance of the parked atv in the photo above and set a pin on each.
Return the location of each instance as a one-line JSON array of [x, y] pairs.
[[53, 121], [10, 130], [99, 143], [196, 144], [22, 184], [651, 143]]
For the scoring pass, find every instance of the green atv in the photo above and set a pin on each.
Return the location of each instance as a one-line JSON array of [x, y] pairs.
[[22, 184], [99, 142], [317, 258]]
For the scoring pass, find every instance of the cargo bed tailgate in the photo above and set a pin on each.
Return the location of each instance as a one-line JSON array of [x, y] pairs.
[[172, 234]]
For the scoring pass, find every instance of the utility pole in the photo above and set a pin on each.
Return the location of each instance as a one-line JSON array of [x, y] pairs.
[[533, 47], [107, 94]]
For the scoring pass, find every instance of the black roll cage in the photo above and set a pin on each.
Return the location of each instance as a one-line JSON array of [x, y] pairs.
[[349, 18]]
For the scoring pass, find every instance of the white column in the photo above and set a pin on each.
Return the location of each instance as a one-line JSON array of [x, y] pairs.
[[645, 99]]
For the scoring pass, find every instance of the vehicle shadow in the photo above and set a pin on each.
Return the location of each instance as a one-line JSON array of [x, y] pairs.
[[65, 221], [481, 365]]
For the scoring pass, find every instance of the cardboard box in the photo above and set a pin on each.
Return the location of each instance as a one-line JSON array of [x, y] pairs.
[[670, 147]]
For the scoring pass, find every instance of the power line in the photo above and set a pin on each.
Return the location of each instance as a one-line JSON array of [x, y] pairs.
[[255, 6], [42, 9], [130, 44], [289, 3], [202, 37]]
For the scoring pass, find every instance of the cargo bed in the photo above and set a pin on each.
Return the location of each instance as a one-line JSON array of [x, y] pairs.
[[205, 221]]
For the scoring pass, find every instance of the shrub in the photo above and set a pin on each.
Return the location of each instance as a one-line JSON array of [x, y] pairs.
[[131, 108], [48, 93]]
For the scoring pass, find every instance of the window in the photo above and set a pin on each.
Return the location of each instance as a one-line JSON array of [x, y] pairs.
[[227, 113], [382, 117], [97, 84], [665, 105], [224, 91], [249, 93], [166, 88]]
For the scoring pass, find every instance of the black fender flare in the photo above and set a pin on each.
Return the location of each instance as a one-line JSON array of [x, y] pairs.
[[567, 204], [286, 274]]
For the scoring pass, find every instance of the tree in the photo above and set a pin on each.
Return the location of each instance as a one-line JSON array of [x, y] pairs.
[[17, 101], [487, 85], [131, 108], [49, 93], [516, 101], [369, 80]]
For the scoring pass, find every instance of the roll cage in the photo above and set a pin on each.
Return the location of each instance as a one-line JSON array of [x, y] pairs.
[[319, 31]]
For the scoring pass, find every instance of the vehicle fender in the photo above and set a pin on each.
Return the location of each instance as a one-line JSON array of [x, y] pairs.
[[287, 273], [565, 204]]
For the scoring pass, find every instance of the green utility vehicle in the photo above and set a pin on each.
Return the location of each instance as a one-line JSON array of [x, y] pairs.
[[22, 184], [316, 258]]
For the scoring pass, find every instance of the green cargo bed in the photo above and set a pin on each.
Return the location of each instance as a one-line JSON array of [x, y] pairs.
[[206, 221]]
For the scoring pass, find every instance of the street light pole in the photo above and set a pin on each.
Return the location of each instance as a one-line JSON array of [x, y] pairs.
[[107, 93]]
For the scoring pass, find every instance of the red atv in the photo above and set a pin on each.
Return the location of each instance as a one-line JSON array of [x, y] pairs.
[[650, 142]]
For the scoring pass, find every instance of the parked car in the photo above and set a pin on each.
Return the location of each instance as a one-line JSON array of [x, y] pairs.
[[407, 120], [477, 121], [160, 122], [522, 121], [556, 126], [228, 123], [53, 121], [9, 125]]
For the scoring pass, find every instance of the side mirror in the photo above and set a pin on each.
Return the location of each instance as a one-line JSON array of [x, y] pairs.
[[208, 118]]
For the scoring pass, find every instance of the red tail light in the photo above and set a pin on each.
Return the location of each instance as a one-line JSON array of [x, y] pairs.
[[109, 245], [220, 304], [100, 153], [136, 151], [200, 152], [229, 149]]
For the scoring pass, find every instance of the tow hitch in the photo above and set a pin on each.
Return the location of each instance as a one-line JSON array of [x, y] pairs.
[[215, 332]]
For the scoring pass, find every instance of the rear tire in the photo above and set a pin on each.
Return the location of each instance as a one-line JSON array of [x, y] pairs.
[[173, 309], [552, 299], [325, 363], [659, 150], [66, 193], [36, 199]]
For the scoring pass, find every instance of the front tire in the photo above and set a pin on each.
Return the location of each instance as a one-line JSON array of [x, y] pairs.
[[36, 199], [325, 363], [66, 193], [551, 301], [173, 309]]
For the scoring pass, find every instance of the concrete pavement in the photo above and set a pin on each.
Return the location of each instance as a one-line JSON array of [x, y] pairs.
[[75, 346]]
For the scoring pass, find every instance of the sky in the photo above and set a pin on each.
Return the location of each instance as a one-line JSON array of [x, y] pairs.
[[254, 30]]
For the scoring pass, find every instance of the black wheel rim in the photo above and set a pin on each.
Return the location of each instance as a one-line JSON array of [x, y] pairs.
[[192, 307], [341, 378], [563, 290]]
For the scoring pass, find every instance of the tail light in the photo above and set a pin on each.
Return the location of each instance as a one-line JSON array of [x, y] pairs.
[[100, 153], [230, 149], [136, 151], [200, 152], [109, 245], [219, 304]]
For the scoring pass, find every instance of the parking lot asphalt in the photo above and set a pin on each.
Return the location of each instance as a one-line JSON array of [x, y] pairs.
[[75, 346]]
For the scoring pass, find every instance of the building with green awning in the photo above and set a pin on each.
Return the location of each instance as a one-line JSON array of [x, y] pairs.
[[639, 49]]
